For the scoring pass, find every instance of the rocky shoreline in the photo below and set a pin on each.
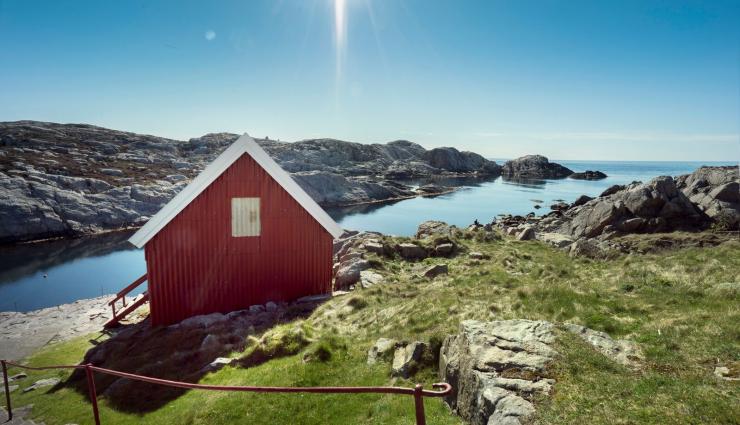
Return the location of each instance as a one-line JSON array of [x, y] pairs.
[[62, 180]]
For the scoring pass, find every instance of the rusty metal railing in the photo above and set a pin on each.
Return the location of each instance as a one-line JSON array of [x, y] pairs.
[[418, 392]]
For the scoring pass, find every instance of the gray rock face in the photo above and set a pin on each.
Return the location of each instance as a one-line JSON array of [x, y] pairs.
[[534, 167], [487, 363], [406, 357], [659, 205], [716, 191], [69, 179]]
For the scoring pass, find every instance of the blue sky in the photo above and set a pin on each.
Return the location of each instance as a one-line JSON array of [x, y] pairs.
[[569, 79]]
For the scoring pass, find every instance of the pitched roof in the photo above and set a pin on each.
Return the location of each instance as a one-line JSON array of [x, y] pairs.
[[244, 144]]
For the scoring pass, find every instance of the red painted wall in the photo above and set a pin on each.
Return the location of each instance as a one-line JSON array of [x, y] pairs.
[[196, 267]]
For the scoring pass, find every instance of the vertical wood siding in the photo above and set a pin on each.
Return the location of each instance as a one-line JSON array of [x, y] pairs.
[[196, 267]]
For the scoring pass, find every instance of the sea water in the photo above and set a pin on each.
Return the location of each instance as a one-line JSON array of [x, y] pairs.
[[45, 274]]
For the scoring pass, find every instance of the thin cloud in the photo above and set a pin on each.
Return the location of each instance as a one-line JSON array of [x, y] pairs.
[[210, 35]]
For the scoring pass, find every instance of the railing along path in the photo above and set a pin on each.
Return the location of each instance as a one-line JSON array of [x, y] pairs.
[[418, 391]]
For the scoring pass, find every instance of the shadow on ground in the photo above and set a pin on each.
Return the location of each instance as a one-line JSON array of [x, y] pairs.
[[180, 352]]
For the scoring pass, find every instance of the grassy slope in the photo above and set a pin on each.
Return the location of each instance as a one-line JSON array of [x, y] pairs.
[[672, 303]]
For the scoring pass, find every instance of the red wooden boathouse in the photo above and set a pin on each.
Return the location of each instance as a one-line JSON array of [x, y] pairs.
[[242, 233]]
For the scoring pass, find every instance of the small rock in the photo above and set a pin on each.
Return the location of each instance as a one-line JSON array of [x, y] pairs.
[[555, 239], [17, 377], [585, 248], [444, 249], [349, 256], [11, 388], [256, 309], [479, 256], [369, 278], [560, 206], [581, 200], [527, 234], [405, 358], [220, 362], [381, 350], [49, 382], [313, 298], [111, 172], [435, 271], [722, 372], [271, 307]]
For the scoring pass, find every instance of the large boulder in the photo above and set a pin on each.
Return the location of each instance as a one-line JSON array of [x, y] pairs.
[[495, 369], [349, 272], [716, 191], [433, 228], [534, 167]]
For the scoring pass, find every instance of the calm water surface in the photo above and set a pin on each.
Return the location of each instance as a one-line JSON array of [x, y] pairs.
[[39, 275]]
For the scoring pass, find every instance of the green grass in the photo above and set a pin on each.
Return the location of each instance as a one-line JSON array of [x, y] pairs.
[[681, 306]]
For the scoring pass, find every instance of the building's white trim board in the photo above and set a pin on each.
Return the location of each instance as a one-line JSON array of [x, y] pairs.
[[244, 144]]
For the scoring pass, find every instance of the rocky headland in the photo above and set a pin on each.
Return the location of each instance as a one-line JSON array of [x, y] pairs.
[[707, 198], [74, 179]]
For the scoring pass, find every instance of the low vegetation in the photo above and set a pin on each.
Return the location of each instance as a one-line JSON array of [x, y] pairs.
[[680, 305]]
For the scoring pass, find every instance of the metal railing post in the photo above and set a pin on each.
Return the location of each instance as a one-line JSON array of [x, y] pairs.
[[93, 393], [7, 390], [419, 403]]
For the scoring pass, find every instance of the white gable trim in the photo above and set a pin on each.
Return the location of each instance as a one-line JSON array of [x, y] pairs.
[[244, 144]]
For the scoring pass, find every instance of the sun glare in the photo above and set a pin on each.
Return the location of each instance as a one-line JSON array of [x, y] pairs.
[[340, 21]]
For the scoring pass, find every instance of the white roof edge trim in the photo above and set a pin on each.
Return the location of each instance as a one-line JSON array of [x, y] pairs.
[[243, 144], [286, 181]]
